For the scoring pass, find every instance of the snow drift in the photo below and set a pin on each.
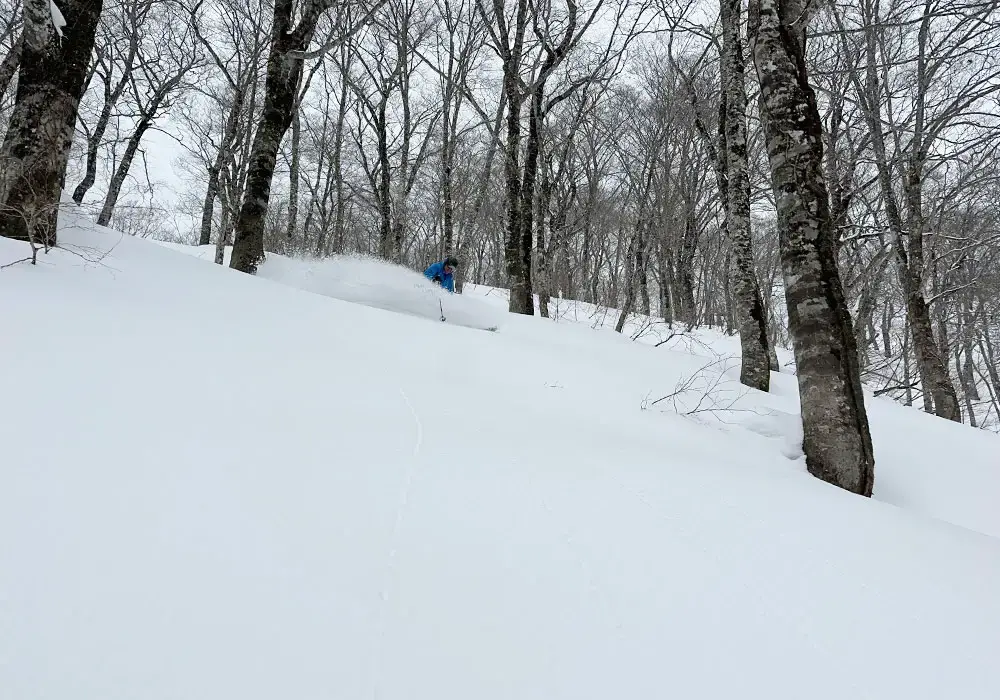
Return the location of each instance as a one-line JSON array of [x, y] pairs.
[[213, 487], [368, 281]]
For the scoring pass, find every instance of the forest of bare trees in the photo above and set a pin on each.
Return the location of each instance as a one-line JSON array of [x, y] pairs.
[[819, 176]]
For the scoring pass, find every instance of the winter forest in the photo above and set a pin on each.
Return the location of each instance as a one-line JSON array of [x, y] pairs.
[[820, 176]]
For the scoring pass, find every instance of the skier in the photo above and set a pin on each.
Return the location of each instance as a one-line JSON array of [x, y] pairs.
[[443, 273]]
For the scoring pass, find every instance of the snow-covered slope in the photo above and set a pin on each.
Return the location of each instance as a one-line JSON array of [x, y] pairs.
[[216, 487], [367, 281]]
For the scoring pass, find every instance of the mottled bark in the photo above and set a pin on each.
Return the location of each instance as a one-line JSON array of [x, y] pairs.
[[9, 65], [37, 143], [283, 72], [836, 438], [749, 307]]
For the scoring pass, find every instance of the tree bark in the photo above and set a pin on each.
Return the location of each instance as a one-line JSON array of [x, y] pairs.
[[751, 319], [293, 179], [283, 71], [9, 65], [37, 143], [836, 438], [121, 172]]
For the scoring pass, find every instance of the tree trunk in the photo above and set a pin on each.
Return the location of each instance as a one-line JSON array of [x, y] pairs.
[[9, 65], [37, 143], [338, 174], [283, 71], [223, 240], [293, 179], [145, 122], [630, 270], [208, 207], [222, 158], [642, 272], [118, 180], [684, 272], [111, 97], [543, 243], [750, 316], [518, 262], [908, 236], [666, 283], [836, 438]]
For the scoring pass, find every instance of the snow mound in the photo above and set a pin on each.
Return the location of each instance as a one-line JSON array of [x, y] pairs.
[[371, 282]]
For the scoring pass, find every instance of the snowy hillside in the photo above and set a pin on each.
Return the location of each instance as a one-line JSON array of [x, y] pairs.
[[214, 486]]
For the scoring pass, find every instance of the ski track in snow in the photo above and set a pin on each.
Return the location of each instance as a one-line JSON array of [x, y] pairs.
[[394, 542]]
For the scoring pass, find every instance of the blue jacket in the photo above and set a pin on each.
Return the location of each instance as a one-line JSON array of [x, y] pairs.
[[436, 273]]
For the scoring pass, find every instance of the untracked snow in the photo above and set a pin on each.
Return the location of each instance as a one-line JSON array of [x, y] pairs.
[[216, 487]]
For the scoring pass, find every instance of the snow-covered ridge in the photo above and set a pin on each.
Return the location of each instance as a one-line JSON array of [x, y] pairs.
[[212, 486]]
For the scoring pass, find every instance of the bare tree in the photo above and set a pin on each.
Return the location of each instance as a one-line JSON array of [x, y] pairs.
[[54, 59], [11, 41], [755, 365], [289, 41], [836, 439], [170, 54], [117, 49]]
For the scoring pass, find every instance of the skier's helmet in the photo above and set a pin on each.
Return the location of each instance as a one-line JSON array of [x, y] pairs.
[[451, 261]]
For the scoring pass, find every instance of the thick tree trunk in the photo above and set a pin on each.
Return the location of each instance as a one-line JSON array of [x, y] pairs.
[[38, 140], [283, 71], [750, 316], [836, 438]]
